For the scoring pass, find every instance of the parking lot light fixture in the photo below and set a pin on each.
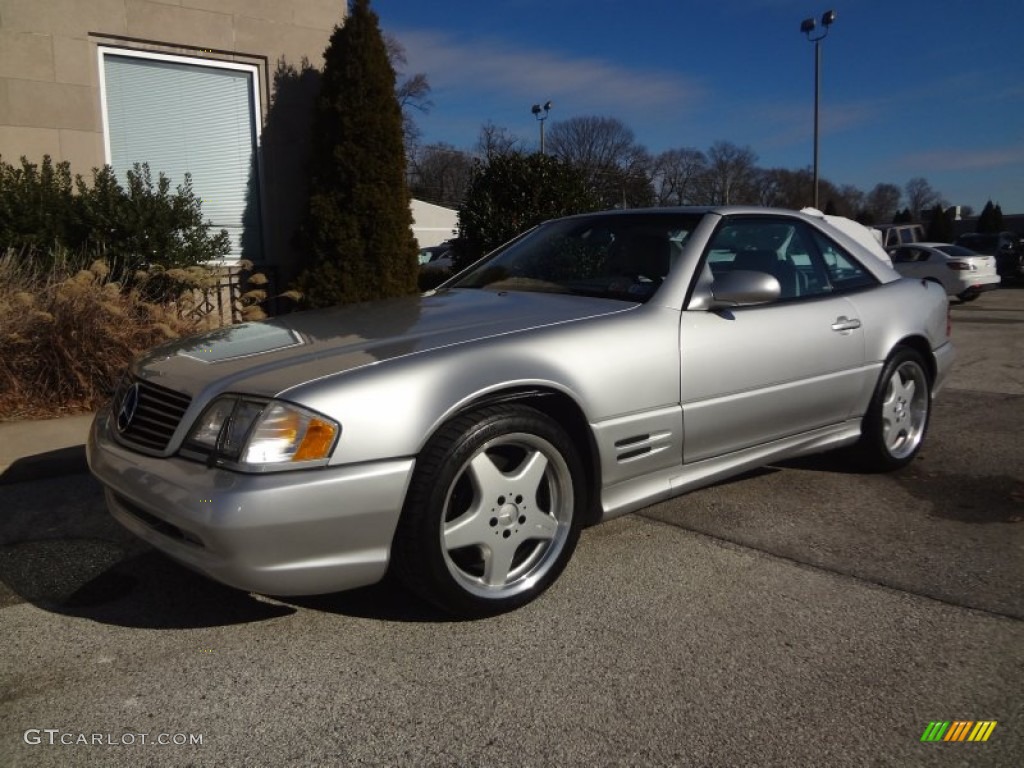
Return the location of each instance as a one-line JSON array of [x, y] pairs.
[[810, 29], [541, 113]]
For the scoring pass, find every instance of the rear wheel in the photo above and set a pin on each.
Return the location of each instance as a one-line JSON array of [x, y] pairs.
[[897, 419], [493, 512]]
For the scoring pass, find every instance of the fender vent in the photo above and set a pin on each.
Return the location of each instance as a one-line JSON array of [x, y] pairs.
[[637, 446]]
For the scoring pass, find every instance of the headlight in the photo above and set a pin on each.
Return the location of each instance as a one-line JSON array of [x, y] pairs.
[[261, 435]]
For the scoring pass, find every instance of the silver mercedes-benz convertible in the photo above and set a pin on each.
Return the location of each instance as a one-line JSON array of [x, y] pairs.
[[595, 365]]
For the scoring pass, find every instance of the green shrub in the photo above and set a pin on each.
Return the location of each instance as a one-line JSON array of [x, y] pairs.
[[431, 278], [511, 193], [44, 212]]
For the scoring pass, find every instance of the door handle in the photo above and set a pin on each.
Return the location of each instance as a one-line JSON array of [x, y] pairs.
[[843, 323]]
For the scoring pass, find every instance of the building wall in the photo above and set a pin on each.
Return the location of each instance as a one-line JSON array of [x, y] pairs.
[[49, 75], [432, 224]]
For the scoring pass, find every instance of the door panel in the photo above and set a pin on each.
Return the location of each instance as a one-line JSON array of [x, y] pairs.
[[755, 374]]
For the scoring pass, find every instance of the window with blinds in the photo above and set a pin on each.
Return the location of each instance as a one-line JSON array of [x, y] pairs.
[[183, 117]]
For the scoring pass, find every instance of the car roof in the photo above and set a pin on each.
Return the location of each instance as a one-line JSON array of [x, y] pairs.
[[700, 210]]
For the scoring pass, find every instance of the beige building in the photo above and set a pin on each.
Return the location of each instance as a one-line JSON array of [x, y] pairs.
[[432, 224], [214, 88]]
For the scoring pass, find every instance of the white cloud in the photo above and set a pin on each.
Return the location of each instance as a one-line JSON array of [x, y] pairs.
[[495, 68], [965, 159]]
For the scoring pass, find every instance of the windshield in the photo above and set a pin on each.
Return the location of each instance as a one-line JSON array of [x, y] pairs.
[[616, 256]]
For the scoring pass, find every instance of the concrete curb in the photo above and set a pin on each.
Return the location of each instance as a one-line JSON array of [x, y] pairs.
[[38, 450]]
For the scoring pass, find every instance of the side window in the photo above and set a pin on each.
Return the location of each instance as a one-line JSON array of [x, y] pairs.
[[844, 273], [779, 247], [908, 255], [806, 263]]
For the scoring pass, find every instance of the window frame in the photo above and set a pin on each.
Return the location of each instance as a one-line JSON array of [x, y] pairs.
[[103, 51], [811, 237]]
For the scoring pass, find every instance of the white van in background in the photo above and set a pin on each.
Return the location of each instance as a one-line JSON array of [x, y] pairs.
[[894, 235]]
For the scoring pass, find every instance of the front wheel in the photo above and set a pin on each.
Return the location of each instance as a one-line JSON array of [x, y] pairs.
[[493, 512], [897, 419]]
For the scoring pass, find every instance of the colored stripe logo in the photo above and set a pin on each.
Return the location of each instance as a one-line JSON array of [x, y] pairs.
[[958, 730]]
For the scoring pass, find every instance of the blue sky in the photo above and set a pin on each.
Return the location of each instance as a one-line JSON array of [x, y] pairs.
[[909, 88]]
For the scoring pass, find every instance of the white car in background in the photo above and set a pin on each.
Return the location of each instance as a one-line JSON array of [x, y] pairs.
[[436, 257], [962, 272]]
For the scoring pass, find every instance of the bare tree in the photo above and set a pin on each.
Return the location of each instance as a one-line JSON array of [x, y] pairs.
[[440, 174], [676, 175], [496, 140], [592, 142], [921, 197], [606, 150], [882, 203], [732, 174], [412, 92], [781, 188], [851, 201]]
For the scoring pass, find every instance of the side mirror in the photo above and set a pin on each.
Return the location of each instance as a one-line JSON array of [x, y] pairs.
[[742, 288]]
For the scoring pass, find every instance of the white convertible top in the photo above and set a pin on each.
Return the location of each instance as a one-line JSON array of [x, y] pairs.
[[869, 238]]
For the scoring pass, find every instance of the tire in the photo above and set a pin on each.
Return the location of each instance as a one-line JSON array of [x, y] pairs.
[[897, 419], [493, 513], [968, 296]]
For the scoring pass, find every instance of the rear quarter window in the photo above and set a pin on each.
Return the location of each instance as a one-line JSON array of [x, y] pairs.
[[845, 273]]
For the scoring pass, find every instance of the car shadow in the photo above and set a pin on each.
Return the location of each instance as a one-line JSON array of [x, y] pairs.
[[953, 496], [966, 498], [63, 461], [95, 579], [61, 551], [148, 590], [837, 461], [385, 601]]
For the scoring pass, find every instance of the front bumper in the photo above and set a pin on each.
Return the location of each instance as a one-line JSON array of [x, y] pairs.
[[303, 532]]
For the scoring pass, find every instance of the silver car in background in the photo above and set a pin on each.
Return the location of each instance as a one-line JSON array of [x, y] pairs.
[[598, 364]]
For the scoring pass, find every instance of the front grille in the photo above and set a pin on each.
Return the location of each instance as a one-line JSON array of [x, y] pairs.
[[156, 416]]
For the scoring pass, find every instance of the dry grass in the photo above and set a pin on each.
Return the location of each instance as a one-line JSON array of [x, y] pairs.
[[66, 336]]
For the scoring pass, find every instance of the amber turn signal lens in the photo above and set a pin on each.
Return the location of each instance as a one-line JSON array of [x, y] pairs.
[[317, 442]]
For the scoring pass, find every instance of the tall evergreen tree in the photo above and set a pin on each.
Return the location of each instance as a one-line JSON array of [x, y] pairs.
[[997, 218], [940, 227], [358, 230], [987, 219]]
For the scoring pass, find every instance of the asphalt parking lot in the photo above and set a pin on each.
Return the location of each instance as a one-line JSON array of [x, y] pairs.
[[802, 615]]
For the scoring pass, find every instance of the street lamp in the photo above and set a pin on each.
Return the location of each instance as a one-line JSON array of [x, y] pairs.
[[808, 27], [537, 109]]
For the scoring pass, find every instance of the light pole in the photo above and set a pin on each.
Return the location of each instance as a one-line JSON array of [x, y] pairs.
[[537, 109], [808, 27]]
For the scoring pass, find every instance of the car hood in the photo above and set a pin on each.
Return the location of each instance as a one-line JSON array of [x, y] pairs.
[[267, 358]]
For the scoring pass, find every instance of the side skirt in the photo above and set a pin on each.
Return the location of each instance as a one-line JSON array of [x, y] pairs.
[[631, 495]]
